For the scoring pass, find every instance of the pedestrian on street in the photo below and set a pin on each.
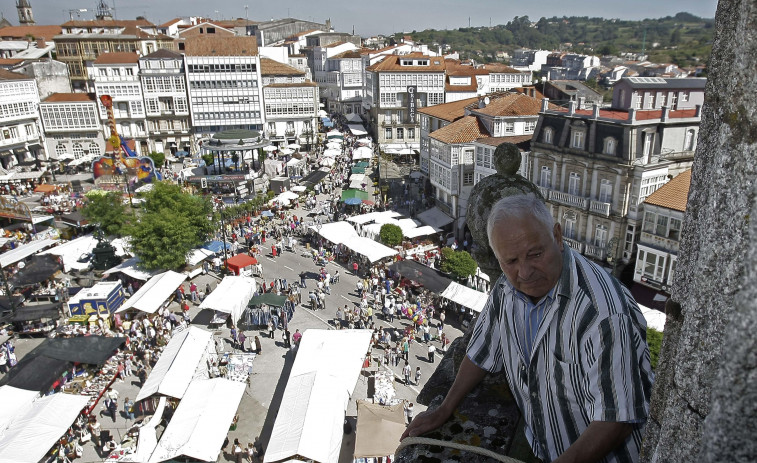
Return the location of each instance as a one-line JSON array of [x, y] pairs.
[[112, 406], [129, 409], [417, 375], [242, 338], [302, 279], [431, 353], [258, 347], [270, 328], [287, 341], [406, 372]]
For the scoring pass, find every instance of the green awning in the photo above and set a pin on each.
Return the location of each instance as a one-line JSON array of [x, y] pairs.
[[362, 164], [346, 194], [358, 170], [268, 299]]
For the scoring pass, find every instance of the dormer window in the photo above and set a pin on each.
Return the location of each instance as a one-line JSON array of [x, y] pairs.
[[577, 138], [610, 146], [548, 135]]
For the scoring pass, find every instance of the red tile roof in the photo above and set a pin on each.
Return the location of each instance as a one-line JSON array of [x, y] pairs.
[[205, 45], [674, 194], [9, 75], [500, 68], [392, 64], [511, 104], [171, 22], [21, 32], [463, 130], [347, 54], [120, 57], [514, 139], [69, 97], [448, 111], [269, 67], [109, 23], [641, 114]]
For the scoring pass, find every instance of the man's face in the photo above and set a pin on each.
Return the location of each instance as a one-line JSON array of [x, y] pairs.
[[529, 254]]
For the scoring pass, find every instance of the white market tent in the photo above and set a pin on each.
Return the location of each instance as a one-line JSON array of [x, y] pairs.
[[337, 232], [328, 162], [231, 296], [344, 233], [72, 250], [353, 117], [324, 374], [15, 402], [130, 267], [151, 296], [365, 141], [201, 421], [435, 217], [331, 153], [358, 180], [288, 195], [25, 250], [465, 296], [182, 360], [198, 255], [420, 231], [378, 429], [30, 435], [357, 129], [373, 217]]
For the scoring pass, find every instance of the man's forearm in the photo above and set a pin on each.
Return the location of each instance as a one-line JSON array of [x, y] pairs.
[[468, 377], [599, 439]]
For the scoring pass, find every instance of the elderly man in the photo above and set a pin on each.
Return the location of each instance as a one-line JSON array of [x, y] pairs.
[[570, 337]]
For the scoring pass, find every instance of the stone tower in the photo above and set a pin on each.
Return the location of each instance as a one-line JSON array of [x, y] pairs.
[[25, 16]]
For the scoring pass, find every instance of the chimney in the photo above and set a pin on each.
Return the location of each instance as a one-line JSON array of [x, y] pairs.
[[631, 114], [699, 111], [41, 43], [595, 112], [545, 104], [581, 102], [571, 107], [665, 114]]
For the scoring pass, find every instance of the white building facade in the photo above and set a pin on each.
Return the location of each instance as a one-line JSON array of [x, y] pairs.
[[291, 104], [72, 126], [21, 138]]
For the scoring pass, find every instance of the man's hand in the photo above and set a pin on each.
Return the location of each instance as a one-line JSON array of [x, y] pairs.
[[426, 421]]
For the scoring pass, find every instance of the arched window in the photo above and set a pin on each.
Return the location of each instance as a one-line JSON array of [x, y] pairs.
[[78, 150], [548, 135], [688, 143], [60, 150], [610, 146], [94, 149]]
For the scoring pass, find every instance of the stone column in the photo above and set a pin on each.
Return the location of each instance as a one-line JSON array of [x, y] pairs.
[[703, 403]]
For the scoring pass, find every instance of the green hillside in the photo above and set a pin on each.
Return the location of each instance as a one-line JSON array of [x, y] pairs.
[[682, 39]]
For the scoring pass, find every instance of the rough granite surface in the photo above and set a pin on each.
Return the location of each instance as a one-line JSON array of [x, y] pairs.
[[488, 417], [704, 403]]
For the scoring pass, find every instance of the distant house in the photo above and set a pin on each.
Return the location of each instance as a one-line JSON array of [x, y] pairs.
[[562, 91]]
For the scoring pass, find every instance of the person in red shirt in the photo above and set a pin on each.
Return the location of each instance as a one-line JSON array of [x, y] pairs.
[[296, 337]]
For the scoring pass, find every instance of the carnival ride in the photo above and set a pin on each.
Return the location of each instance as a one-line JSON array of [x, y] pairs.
[[124, 165]]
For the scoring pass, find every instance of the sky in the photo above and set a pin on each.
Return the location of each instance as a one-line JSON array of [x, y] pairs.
[[370, 17]]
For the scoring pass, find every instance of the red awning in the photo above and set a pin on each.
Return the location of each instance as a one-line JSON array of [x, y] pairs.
[[241, 261], [45, 188]]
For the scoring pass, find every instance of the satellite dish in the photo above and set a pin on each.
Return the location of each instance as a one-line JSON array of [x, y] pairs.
[[486, 100]]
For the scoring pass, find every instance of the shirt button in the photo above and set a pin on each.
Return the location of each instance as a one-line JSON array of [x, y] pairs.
[[534, 395]]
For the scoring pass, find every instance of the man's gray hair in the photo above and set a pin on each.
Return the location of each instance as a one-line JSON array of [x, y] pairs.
[[519, 206]]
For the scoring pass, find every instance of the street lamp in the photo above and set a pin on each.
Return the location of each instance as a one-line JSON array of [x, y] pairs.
[[223, 234]]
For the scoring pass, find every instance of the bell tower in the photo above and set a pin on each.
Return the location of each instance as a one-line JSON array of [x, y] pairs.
[[25, 16]]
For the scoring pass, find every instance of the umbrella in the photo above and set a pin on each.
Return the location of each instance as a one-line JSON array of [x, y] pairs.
[[299, 188], [294, 146], [288, 195], [267, 214], [331, 153], [353, 201], [66, 157], [368, 202], [322, 113], [328, 162], [269, 148], [366, 141], [335, 141], [363, 150], [286, 152]]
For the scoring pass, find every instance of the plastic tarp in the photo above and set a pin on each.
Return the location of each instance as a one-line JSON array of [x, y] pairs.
[[465, 296], [130, 267], [435, 217], [72, 250], [25, 250], [420, 231], [198, 255], [37, 270], [373, 217], [357, 129], [655, 319], [344, 233], [427, 276], [231, 296], [151, 296], [355, 193], [378, 430], [324, 374], [314, 177], [201, 421], [337, 232], [216, 246], [31, 435], [36, 312], [182, 360], [353, 117], [15, 402]]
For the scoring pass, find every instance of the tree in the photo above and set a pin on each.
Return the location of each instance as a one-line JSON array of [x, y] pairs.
[[654, 340], [390, 234], [108, 211], [458, 263], [208, 159], [172, 223], [158, 158]]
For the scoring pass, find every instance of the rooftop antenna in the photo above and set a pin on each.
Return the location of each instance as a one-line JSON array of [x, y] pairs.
[[77, 12]]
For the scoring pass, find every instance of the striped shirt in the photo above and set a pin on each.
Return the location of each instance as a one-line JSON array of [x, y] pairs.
[[589, 361]]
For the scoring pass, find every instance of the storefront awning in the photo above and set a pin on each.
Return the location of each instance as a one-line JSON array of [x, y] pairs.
[[435, 217]]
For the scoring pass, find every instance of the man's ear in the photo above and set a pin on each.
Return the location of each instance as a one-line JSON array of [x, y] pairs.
[[557, 233]]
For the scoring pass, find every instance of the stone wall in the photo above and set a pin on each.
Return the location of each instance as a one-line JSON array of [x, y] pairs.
[[704, 404]]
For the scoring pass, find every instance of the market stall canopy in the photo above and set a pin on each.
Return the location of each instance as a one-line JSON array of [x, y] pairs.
[[323, 376], [299, 188], [336, 232], [378, 216], [363, 164], [335, 134], [378, 429], [15, 402], [151, 296], [420, 231], [39, 269], [30, 435], [365, 141], [37, 312], [322, 113], [288, 195], [465, 296], [271, 299], [357, 170], [357, 129], [355, 193], [362, 150], [230, 296], [72, 251], [328, 162], [294, 146], [240, 261], [131, 268], [331, 153], [5, 303], [295, 162], [182, 360], [198, 255], [147, 439], [201, 421], [286, 151], [353, 201], [430, 278], [25, 250], [269, 148], [354, 117], [434, 217], [314, 177], [216, 246], [45, 188]]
